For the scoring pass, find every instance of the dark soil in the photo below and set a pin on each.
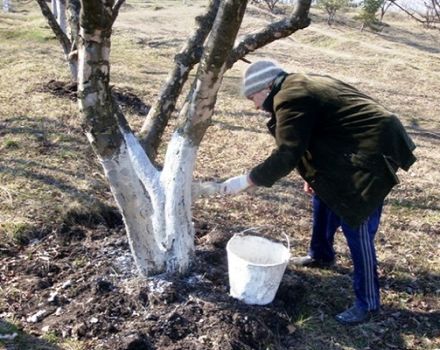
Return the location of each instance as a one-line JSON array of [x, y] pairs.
[[87, 288], [125, 98]]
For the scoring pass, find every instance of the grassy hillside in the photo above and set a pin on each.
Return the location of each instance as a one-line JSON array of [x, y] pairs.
[[57, 216]]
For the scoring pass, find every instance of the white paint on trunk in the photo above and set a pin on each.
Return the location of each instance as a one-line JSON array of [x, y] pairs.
[[176, 179], [73, 66], [5, 5], [85, 70], [61, 12], [54, 7], [137, 211], [149, 177]]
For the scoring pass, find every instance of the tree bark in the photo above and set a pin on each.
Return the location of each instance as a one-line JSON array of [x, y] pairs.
[[65, 42], [298, 19]]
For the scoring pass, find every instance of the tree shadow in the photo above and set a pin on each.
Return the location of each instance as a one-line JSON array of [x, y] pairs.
[[11, 338], [408, 38], [233, 127], [423, 133]]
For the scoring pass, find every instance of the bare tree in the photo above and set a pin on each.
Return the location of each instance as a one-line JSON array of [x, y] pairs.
[[269, 3], [68, 45], [430, 18], [432, 14], [156, 204], [384, 8], [5, 5]]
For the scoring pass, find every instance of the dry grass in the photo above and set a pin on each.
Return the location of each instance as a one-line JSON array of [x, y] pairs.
[[46, 163]]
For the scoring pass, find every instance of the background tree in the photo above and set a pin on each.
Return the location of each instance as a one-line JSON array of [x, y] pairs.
[[271, 4], [369, 11], [156, 204], [331, 7], [5, 5], [384, 8], [430, 17], [59, 29]]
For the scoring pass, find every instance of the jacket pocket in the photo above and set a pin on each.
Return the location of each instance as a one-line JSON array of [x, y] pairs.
[[379, 165]]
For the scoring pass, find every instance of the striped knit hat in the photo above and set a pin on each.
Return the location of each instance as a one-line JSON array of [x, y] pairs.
[[260, 75]]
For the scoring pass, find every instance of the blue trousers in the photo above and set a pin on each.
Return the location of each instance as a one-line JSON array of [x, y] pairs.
[[361, 244]]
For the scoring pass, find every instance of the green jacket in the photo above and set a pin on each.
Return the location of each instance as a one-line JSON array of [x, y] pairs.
[[346, 145]]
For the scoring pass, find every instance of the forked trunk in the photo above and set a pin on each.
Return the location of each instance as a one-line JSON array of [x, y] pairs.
[[156, 205]]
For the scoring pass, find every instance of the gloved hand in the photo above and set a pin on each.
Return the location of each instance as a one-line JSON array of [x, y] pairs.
[[236, 184]]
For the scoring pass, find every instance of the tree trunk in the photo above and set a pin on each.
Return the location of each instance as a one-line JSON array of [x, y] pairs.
[[5, 5], [54, 7], [159, 114], [73, 11], [66, 44], [61, 11], [156, 206]]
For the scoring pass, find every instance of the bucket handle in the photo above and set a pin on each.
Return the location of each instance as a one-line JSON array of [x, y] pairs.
[[256, 229]]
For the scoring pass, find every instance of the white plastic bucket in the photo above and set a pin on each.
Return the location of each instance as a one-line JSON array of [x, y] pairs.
[[256, 266]]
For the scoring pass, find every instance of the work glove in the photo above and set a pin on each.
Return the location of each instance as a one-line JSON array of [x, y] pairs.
[[232, 186], [235, 184]]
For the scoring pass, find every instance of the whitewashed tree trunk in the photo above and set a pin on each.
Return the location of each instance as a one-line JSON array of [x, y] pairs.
[[156, 205], [5, 5], [69, 47], [54, 8], [61, 14]]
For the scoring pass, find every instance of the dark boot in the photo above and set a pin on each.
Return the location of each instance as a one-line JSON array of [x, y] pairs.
[[355, 315], [309, 261]]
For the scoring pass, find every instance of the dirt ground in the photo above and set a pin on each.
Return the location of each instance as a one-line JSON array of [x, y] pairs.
[[79, 285], [67, 279]]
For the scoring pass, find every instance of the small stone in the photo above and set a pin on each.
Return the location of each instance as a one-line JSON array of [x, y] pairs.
[[79, 330], [67, 284], [94, 320], [38, 316], [53, 297]]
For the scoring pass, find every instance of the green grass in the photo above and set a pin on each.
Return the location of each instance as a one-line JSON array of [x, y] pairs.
[[9, 144]]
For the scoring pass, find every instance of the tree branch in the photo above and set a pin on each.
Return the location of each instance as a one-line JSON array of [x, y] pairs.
[[116, 8], [196, 115], [159, 115], [53, 24], [299, 19]]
